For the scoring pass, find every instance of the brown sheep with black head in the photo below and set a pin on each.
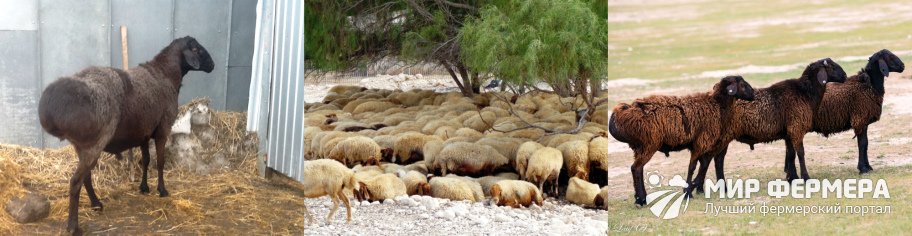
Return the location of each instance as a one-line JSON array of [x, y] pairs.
[[671, 123], [785, 110], [857, 103], [111, 110]]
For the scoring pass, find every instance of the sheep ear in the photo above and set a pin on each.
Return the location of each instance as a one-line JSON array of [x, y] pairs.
[[884, 70], [192, 59], [822, 76]]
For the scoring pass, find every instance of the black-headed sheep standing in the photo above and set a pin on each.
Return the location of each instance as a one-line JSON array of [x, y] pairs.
[[785, 110], [111, 110], [857, 103], [669, 123]]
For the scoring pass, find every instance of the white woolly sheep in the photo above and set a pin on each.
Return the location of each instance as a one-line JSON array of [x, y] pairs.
[[356, 150], [408, 146], [545, 165], [522, 156], [456, 188], [515, 193], [488, 181], [415, 182], [576, 158], [464, 158], [581, 192], [327, 177], [380, 187]]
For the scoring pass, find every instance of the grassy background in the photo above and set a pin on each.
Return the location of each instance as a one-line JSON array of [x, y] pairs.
[[669, 44]]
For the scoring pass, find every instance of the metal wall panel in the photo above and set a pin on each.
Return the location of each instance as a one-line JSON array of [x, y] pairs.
[[149, 29], [243, 24], [68, 46], [238, 88], [208, 21], [19, 91], [278, 74], [19, 15]]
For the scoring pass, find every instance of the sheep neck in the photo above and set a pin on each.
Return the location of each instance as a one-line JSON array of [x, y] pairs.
[[167, 63], [877, 79]]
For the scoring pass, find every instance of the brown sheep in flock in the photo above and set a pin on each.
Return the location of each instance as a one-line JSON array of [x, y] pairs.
[[669, 123]]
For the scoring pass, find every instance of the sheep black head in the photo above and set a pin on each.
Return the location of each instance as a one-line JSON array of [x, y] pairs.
[[737, 87], [823, 71], [194, 56], [885, 62]]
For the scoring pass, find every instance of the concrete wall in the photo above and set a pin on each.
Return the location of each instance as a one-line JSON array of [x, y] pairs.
[[42, 40]]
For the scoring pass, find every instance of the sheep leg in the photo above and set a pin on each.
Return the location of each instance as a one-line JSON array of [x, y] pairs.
[[690, 180], [863, 165], [790, 171], [309, 218], [348, 209], [719, 159], [701, 174], [90, 190], [640, 160], [333, 210], [160, 161], [799, 149], [143, 184], [87, 159]]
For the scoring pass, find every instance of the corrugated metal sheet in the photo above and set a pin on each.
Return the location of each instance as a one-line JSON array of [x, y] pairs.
[[278, 78]]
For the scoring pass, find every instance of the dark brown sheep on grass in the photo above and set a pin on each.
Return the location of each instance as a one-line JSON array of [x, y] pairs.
[[857, 103], [785, 110], [111, 110], [670, 123]]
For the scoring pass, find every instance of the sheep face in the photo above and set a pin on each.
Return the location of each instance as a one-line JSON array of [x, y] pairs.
[[823, 71], [739, 88], [195, 57], [886, 62]]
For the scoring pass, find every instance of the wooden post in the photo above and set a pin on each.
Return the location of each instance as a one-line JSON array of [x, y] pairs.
[[123, 47]]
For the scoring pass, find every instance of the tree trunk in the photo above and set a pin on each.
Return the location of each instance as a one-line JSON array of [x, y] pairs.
[[467, 80], [462, 88], [596, 87]]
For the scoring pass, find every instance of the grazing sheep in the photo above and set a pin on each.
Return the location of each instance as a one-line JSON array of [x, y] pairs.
[[408, 147], [857, 103], [464, 158], [582, 192], [380, 187], [455, 188], [522, 156], [111, 110], [419, 166], [601, 198], [356, 150], [431, 150], [668, 123], [415, 183], [576, 158], [387, 144], [488, 181], [545, 165], [598, 161], [327, 177], [515, 193], [785, 110]]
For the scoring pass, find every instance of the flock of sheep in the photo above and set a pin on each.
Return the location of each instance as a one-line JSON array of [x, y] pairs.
[[822, 100], [380, 144]]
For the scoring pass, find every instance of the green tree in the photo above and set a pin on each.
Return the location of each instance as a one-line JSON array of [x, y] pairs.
[[560, 42], [341, 35]]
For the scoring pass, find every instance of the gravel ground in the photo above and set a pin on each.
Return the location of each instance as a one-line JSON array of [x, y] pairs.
[[432, 216]]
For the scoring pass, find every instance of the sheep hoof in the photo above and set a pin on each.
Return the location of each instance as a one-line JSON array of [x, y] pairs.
[[143, 188], [74, 231], [163, 192], [640, 201], [97, 206], [864, 169]]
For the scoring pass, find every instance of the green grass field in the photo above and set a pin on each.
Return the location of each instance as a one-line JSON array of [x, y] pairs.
[[669, 44]]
